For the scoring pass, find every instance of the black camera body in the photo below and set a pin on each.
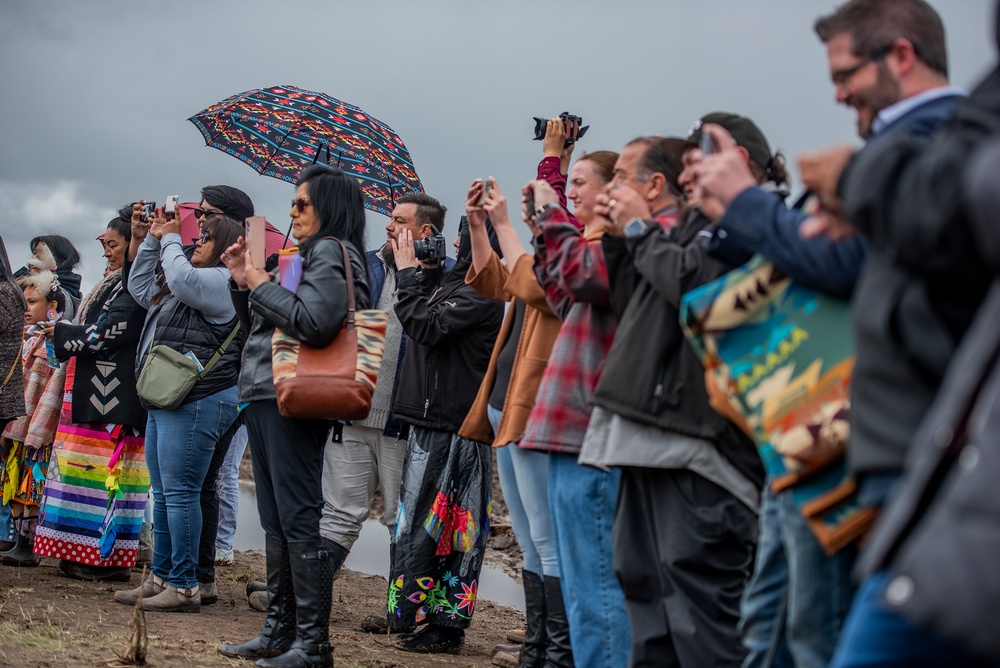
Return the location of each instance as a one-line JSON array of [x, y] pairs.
[[431, 249], [567, 118]]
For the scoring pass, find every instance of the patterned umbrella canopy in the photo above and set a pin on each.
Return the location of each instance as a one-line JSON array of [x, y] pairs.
[[279, 131]]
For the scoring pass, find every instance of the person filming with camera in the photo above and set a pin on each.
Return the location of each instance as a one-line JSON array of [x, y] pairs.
[[443, 518]]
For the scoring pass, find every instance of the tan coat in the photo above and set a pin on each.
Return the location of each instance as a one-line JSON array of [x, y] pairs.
[[538, 335]]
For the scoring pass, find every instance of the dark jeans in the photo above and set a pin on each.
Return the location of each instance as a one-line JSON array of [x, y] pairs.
[[287, 457], [210, 507], [876, 636], [684, 550]]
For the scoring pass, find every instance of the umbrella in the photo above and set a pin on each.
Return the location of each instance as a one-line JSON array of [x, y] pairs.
[[274, 239], [281, 130]]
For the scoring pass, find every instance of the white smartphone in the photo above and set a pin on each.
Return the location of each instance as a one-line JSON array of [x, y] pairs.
[[170, 207], [256, 230]]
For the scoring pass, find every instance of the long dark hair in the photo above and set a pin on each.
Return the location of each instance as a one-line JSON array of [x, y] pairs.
[[224, 232], [7, 276], [63, 250], [339, 205]]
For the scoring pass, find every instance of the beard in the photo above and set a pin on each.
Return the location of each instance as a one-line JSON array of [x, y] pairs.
[[885, 93]]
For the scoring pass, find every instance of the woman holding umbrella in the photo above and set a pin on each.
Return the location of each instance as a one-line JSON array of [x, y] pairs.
[[287, 453]]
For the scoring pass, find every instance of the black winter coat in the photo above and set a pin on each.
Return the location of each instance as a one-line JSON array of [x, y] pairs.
[[104, 345], [451, 329], [652, 374]]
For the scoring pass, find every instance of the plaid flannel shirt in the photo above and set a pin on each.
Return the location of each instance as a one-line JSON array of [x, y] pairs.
[[572, 271]]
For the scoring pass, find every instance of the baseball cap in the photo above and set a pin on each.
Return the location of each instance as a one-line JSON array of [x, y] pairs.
[[744, 131]]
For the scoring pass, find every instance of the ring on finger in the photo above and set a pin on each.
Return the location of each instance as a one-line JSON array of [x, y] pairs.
[[612, 202]]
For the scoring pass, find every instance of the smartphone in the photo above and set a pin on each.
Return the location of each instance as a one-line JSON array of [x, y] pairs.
[[706, 144], [255, 226], [529, 203], [148, 210], [170, 207], [487, 185]]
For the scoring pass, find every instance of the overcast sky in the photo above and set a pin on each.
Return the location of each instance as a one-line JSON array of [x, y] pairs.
[[96, 94]]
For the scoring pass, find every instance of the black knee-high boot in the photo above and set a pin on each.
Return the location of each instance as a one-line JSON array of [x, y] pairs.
[[535, 634], [313, 566], [279, 626], [559, 653]]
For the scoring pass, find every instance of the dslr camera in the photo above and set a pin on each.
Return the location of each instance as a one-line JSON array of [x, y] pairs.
[[432, 249], [567, 118]]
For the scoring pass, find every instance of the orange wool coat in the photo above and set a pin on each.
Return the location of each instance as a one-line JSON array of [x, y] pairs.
[[538, 334]]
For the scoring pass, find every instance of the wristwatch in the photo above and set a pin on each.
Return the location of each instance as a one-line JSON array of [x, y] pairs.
[[544, 209], [635, 227]]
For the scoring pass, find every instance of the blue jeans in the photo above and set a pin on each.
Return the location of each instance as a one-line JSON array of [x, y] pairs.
[[524, 480], [876, 636], [795, 605], [227, 489], [179, 446], [582, 502]]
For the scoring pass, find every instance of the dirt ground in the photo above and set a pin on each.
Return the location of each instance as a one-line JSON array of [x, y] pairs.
[[50, 620]]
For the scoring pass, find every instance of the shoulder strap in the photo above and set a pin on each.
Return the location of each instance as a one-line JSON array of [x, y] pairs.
[[17, 358], [349, 276], [220, 351]]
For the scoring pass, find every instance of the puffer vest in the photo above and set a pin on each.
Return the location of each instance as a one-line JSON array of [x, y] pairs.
[[185, 329]]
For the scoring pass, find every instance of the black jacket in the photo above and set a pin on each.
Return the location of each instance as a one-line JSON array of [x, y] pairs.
[[923, 282], [652, 374], [104, 345], [314, 314], [451, 329]]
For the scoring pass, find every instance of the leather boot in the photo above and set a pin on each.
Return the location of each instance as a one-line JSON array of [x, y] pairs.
[[21, 554], [559, 652], [151, 587], [279, 625], [313, 566], [535, 635]]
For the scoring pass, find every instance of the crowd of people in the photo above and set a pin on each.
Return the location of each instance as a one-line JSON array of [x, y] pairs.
[[653, 530]]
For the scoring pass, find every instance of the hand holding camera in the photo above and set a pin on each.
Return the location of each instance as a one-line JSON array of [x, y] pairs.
[[142, 211], [402, 250], [234, 258], [619, 204]]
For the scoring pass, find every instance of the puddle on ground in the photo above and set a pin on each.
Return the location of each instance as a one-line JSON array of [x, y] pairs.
[[370, 554]]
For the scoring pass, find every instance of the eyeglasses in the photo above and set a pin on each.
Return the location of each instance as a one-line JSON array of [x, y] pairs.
[[198, 213], [204, 238], [844, 76], [301, 203]]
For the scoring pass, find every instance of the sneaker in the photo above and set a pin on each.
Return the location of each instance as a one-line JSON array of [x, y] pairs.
[[173, 599], [507, 656], [225, 557], [434, 639], [95, 573], [151, 587]]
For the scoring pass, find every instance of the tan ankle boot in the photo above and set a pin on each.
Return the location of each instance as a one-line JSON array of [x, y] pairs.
[[151, 587], [172, 599]]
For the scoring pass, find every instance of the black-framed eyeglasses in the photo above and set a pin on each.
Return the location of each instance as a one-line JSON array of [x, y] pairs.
[[204, 238], [301, 203], [844, 76], [198, 213]]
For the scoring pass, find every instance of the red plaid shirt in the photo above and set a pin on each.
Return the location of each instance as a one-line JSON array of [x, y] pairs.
[[572, 271]]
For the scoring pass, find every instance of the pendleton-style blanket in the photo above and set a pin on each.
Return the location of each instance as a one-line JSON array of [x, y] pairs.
[[778, 359]]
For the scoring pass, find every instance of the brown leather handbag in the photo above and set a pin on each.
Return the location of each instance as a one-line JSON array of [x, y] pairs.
[[335, 382]]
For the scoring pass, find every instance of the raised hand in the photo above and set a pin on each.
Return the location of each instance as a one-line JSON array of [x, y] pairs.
[[235, 259], [619, 204], [473, 212], [496, 206]]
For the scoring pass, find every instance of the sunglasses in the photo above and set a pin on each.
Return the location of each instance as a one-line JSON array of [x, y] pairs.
[[301, 203], [198, 213], [204, 238]]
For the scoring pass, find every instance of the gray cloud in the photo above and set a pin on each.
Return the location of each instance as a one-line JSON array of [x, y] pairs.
[[96, 94]]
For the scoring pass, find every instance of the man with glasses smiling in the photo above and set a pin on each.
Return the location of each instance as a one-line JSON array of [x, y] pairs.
[[887, 61]]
